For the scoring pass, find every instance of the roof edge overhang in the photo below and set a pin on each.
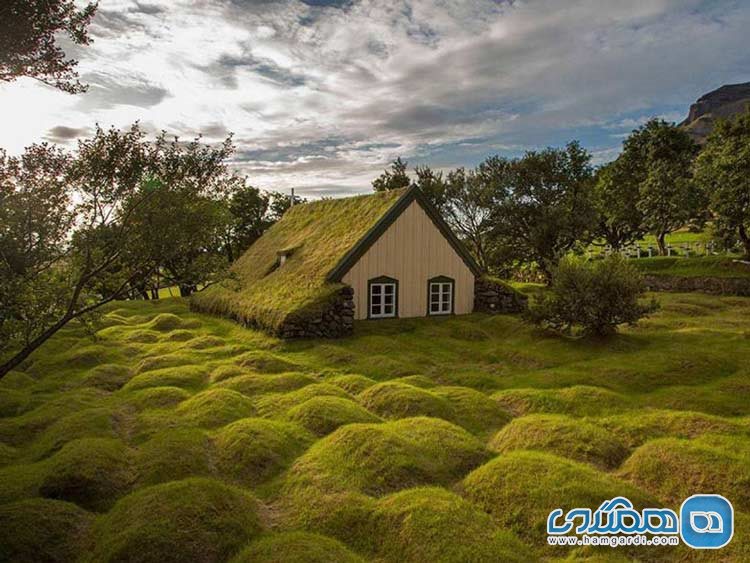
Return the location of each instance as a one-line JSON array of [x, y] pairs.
[[412, 194]]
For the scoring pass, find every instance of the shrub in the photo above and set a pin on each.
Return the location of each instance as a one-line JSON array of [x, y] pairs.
[[43, 530], [593, 298], [432, 524], [296, 547], [323, 415], [199, 520], [564, 436]]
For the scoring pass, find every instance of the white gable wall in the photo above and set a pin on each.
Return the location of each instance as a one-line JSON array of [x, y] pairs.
[[412, 250]]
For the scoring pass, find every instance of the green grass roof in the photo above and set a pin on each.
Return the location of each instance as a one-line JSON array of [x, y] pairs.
[[317, 235]]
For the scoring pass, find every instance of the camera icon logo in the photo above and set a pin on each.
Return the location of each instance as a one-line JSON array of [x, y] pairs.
[[706, 521]]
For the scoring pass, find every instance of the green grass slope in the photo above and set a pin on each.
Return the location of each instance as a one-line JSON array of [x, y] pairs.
[[179, 436]]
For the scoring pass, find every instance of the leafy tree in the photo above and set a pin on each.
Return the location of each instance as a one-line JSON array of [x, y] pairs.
[[79, 232], [658, 158], [542, 207], [249, 208], [723, 169], [183, 225], [432, 185], [29, 30], [279, 203], [593, 298], [615, 197], [393, 179], [63, 239]]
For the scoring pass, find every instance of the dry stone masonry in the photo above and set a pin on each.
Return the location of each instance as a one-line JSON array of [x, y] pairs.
[[335, 321], [492, 296]]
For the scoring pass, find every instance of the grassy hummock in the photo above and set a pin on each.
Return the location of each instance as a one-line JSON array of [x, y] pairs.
[[433, 524], [563, 436], [296, 547], [170, 467], [378, 459], [43, 530], [317, 235], [189, 520]]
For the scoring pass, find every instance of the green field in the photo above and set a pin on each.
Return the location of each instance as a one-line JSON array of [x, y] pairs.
[[176, 436], [704, 266]]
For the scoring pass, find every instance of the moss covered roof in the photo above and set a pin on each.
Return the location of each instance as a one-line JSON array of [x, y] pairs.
[[316, 237]]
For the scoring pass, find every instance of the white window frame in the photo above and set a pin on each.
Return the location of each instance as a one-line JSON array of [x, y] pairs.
[[379, 290], [443, 290]]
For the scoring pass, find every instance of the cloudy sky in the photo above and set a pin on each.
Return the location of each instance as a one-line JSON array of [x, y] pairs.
[[322, 94]]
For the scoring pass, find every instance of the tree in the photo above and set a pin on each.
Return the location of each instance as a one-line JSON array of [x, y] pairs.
[[68, 260], [79, 232], [249, 209], [723, 170], [542, 206], [615, 197], [279, 203], [594, 298], [658, 158], [183, 226], [29, 30], [393, 179]]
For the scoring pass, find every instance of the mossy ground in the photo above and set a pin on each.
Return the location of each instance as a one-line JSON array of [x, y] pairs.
[[179, 436]]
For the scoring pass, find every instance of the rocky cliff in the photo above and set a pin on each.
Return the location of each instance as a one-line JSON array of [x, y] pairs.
[[723, 103]]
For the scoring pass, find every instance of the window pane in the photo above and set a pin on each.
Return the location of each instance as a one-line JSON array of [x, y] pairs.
[[388, 300], [388, 309], [434, 308], [376, 299], [389, 288], [377, 289], [375, 310]]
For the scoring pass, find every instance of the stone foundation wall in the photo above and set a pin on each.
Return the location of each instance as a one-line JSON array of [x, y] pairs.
[[495, 297], [335, 321], [712, 286]]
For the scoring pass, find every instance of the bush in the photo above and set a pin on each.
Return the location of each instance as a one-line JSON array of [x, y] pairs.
[[593, 298]]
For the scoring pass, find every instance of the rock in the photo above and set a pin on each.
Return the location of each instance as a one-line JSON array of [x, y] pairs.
[[723, 103]]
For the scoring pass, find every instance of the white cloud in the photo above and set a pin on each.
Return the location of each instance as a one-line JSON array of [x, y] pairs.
[[322, 97]]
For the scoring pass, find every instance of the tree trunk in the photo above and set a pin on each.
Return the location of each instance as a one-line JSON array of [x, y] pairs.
[[26, 351], [186, 290], [661, 243], [155, 293], [745, 238]]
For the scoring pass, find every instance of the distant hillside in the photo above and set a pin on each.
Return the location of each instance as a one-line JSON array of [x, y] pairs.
[[725, 102]]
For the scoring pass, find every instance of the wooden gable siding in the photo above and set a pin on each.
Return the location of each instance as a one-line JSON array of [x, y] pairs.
[[412, 250]]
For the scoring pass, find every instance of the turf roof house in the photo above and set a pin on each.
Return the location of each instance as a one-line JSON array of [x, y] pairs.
[[376, 256]]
